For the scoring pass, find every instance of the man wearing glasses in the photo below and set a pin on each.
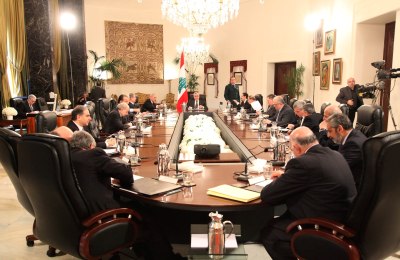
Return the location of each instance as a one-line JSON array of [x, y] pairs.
[[284, 113]]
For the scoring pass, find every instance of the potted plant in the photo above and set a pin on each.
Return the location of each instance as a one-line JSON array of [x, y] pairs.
[[295, 81], [9, 112], [192, 83], [104, 69], [65, 103]]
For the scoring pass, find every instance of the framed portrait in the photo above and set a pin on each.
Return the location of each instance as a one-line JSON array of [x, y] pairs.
[[316, 63], [210, 79], [337, 71], [319, 35], [325, 74], [238, 76], [330, 40]]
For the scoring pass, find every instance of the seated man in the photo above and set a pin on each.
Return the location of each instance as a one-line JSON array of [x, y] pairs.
[[133, 104], [322, 136], [27, 106], [94, 170], [271, 111], [340, 130], [244, 103], [255, 106], [309, 189], [150, 105], [284, 113], [196, 103], [306, 116], [114, 121]]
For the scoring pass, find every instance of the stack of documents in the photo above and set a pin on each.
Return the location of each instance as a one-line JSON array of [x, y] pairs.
[[233, 193]]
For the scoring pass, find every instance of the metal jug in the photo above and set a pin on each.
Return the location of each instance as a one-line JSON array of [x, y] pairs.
[[216, 235], [163, 160], [121, 139]]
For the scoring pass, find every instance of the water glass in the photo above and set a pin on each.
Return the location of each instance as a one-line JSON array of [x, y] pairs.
[[267, 170], [134, 159], [187, 192], [187, 178]]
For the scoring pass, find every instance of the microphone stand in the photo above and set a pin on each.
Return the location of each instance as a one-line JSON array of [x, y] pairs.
[[244, 176], [178, 175]]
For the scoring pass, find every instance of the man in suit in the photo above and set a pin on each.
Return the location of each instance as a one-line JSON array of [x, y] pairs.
[[133, 104], [94, 170], [349, 95], [306, 115], [196, 103], [271, 111], [231, 93], [97, 92], [322, 136], [284, 113], [150, 105], [255, 106], [114, 120], [244, 103], [350, 141], [27, 106], [309, 189]]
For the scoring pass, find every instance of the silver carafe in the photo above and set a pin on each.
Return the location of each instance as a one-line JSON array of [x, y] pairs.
[[216, 235], [121, 139], [163, 160]]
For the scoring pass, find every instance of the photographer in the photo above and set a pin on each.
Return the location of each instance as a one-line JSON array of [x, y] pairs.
[[349, 95]]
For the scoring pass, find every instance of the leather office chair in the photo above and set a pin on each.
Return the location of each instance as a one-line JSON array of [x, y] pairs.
[[8, 159], [292, 101], [308, 101], [93, 126], [46, 121], [371, 229], [42, 104], [344, 108], [323, 106], [104, 106], [63, 219], [369, 120], [286, 98]]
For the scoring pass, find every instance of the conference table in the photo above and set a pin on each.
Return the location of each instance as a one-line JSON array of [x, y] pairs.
[[176, 212]]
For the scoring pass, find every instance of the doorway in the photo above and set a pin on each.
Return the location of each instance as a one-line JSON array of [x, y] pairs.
[[281, 71]]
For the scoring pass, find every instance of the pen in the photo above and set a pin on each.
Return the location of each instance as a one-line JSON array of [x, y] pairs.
[[172, 192]]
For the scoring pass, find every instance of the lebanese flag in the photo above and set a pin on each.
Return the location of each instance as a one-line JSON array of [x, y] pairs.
[[182, 92]]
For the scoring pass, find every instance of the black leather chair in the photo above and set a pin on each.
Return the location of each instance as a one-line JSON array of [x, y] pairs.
[[371, 230], [344, 108], [42, 104], [292, 101], [369, 120], [104, 106], [8, 159], [93, 126], [63, 219], [286, 98], [308, 101], [46, 121], [323, 106]]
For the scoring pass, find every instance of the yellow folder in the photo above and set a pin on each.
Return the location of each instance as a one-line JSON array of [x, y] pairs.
[[233, 193]]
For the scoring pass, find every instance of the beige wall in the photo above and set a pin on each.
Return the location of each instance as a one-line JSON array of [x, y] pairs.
[[263, 35]]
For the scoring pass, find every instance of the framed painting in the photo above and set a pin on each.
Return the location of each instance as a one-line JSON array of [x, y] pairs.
[[330, 40], [238, 76], [316, 63], [210, 78], [325, 74], [319, 35], [337, 71]]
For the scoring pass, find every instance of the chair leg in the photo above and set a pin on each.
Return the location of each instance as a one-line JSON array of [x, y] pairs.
[[30, 240]]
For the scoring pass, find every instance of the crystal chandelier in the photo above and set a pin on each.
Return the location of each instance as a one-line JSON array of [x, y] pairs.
[[195, 50], [198, 16]]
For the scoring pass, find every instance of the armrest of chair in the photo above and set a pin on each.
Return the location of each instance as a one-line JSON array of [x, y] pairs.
[[320, 223], [106, 215]]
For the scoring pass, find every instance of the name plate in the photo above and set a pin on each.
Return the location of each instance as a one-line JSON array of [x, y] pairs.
[[256, 179], [168, 179]]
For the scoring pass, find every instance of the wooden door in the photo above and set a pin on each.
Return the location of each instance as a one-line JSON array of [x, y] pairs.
[[281, 70]]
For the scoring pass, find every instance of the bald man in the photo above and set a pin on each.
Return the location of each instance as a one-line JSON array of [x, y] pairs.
[[63, 132], [350, 96], [150, 105], [322, 136], [309, 188], [284, 113]]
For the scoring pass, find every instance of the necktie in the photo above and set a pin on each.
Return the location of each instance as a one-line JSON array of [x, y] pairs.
[[31, 107], [196, 104], [302, 120], [277, 117]]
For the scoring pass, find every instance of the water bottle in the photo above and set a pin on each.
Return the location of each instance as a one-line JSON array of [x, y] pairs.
[[163, 160], [121, 139]]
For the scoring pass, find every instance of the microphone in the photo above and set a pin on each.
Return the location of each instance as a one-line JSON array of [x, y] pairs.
[[178, 175], [244, 176]]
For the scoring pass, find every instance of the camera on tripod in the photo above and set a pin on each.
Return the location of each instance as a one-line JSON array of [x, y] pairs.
[[384, 73], [368, 90]]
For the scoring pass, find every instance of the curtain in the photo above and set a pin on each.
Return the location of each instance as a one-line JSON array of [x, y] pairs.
[[5, 91], [56, 33], [16, 43], [63, 79]]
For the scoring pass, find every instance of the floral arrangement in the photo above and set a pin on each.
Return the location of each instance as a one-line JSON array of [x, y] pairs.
[[65, 102], [200, 129], [9, 111]]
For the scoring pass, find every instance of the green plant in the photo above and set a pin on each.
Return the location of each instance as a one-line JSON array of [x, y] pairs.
[[295, 82], [101, 66], [192, 83]]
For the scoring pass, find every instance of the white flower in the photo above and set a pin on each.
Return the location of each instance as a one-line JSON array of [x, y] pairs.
[[9, 111], [65, 102]]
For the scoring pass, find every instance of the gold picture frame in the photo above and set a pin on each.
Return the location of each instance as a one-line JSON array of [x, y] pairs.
[[337, 68], [325, 74], [330, 42], [316, 63], [319, 35]]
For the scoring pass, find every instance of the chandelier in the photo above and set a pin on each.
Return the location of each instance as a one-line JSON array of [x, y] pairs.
[[198, 16], [195, 50]]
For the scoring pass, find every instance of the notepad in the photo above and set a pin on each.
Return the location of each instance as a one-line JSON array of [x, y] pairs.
[[233, 193]]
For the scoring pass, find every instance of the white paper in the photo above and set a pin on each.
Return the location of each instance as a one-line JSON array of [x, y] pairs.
[[263, 183], [256, 179], [168, 179], [201, 241], [256, 105], [110, 151], [136, 177]]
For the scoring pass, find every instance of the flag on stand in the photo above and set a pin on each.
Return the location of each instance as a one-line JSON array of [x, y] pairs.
[[182, 92]]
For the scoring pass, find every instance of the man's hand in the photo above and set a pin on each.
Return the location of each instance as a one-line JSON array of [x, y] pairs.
[[290, 126], [322, 125], [350, 102]]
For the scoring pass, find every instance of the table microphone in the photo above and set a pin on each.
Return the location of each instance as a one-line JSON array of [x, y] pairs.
[[178, 175], [244, 176]]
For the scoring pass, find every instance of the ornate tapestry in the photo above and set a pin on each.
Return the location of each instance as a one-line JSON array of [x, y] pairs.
[[140, 46]]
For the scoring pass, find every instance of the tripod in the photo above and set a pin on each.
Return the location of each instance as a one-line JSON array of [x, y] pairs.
[[378, 94]]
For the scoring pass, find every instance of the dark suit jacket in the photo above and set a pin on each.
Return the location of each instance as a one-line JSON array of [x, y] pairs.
[[24, 108], [202, 102], [99, 143], [324, 140], [97, 92], [246, 105], [346, 94], [352, 152], [94, 168], [271, 111], [232, 93], [285, 116], [317, 184], [113, 122], [148, 106], [312, 121], [133, 105]]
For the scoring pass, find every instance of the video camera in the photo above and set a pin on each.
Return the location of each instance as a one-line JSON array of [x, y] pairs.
[[368, 90], [383, 73]]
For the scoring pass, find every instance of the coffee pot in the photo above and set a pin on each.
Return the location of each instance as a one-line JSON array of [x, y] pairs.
[[216, 234]]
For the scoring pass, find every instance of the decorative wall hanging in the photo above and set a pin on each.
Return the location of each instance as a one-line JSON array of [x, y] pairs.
[[238, 76], [211, 77], [330, 40], [140, 46], [316, 63], [239, 66], [325, 74], [337, 71], [319, 35]]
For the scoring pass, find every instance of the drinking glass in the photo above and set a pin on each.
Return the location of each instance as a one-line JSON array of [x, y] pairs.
[[267, 170], [187, 178], [134, 159]]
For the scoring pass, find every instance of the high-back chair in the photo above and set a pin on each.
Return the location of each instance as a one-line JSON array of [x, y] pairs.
[[369, 120], [104, 106], [292, 101], [372, 228], [93, 126], [46, 121], [344, 108], [8, 159], [323, 106], [42, 104], [63, 219]]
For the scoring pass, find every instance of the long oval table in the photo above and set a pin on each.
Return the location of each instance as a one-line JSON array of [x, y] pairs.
[[178, 211]]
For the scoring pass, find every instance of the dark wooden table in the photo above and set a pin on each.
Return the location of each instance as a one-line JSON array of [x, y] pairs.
[[19, 122]]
